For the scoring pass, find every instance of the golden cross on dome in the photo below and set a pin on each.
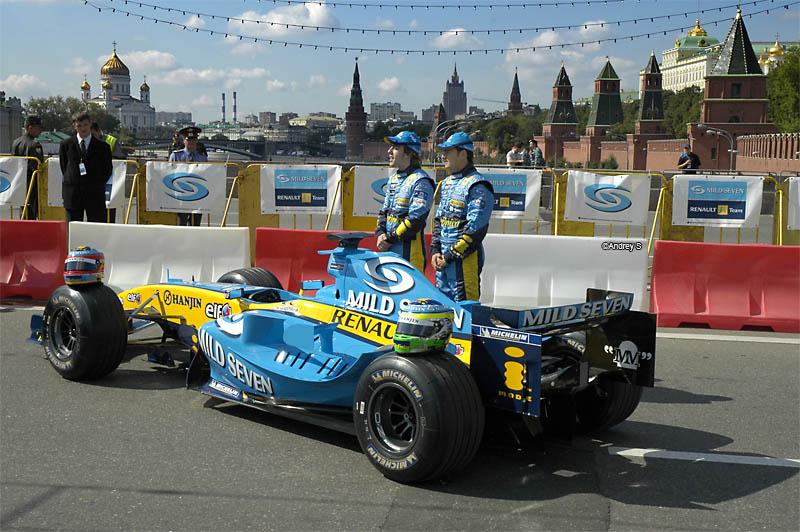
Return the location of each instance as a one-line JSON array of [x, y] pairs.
[[115, 46]]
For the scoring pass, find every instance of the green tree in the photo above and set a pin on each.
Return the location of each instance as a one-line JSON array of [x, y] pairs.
[[783, 92], [681, 108], [380, 130], [56, 113], [582, 113], [630, 111]]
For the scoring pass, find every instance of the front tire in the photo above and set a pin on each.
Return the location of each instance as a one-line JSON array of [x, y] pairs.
[[418, 417], [84, 331]]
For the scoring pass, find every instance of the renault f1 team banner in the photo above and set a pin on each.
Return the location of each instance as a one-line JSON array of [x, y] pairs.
[[794, 203], [299, 189], [517, 192], [369, 189], [185, 187], [716, 201], [620, 199], [13, 180], [115, 186]]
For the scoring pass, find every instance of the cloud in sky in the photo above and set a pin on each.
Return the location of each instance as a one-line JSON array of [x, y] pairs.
[[381, 22], [306, 15], [390, 84], [249, 49], [195, 22], [275, 85], [209, 76], [455, 38], [202, 100], [144, 60], [21, 83], [316, 80], [344, 90], [79, 65]]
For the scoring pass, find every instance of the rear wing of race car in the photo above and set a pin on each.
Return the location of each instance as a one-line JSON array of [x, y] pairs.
[[519, 355]]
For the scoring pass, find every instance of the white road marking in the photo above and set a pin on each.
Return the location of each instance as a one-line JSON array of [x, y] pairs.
[[704, 457], [729, 338]]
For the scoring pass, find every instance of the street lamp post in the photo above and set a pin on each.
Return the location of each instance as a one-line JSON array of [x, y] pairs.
[[720, 133]]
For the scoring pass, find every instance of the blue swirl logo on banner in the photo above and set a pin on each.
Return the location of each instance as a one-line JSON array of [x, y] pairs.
[[5, 184], [301, 187], [379, 188], [720, 200], [509, 191], [606, 197], [187, 187]]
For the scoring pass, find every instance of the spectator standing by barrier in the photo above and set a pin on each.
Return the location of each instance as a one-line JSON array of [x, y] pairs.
[[27, 146], [189, 154], [409, 195], [515, 157], [86, 167], [535, 154], [461, 222], [116, 153], [689, 162]]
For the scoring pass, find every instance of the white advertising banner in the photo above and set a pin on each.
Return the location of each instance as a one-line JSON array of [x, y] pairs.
[[115, 186], [794, 203], [54, 179], [369, 189], [517, 192], [13, 180], [616, 199], [185, 187], [300, 188], [716, 200]]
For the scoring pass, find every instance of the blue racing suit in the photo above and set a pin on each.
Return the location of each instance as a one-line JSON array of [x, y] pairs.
[[409, 195], [459, 227]]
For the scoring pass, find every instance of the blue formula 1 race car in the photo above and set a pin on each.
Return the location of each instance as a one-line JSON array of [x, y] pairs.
[[381, 354]]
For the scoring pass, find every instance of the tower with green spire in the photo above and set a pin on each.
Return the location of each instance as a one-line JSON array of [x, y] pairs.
[[651, 104], [606, 103], [561, 122], [355, 119], [515, 102]]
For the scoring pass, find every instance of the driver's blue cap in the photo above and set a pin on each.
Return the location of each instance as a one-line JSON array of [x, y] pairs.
[[457, 140], [405, 138]]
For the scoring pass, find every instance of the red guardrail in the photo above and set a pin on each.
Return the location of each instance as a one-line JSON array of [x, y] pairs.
[[291, 255], [32, 257], [726, 286]]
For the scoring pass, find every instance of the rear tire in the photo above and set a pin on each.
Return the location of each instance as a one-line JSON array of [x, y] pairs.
[[606, 404], [418, 417], [252, 277], [84, 331]]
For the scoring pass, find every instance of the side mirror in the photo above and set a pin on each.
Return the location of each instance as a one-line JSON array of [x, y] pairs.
[[311, 285]]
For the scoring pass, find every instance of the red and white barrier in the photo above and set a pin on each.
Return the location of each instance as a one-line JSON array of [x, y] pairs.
[[726, 286], [32, 257]]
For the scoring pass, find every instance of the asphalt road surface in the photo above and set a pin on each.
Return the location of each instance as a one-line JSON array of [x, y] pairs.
[[715, 446]]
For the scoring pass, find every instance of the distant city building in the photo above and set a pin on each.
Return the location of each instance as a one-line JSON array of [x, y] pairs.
[[384, 111], [515, 101], [285, 118], [10, 121], [251, 119], [116, 98], [770, 55], [173, 118], [266, 118], [315, 122], [454, 98], [356, 119], [322, 114], [428, 112], [474, 110], [690, 61]]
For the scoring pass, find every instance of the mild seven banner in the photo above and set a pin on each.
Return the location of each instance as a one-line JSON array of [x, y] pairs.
[[615, 199], [299, 189], [517, 192], [13, 180], [185, 187], [716, 201]]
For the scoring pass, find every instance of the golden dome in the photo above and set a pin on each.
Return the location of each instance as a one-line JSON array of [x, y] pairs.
[[106, 84], [776, 50], [115, 67], [85, 85], [145, 87], [697, 31]]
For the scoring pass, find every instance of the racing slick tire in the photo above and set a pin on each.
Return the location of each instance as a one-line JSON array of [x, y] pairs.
[[84, 331], [252, 277], [608, 403], [418, 417]]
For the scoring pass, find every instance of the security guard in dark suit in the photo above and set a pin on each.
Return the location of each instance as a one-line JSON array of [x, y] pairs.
[[28, 146]]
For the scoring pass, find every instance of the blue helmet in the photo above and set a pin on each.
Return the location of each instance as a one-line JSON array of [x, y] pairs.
[[84, 265], [405, 138], [457, 140]]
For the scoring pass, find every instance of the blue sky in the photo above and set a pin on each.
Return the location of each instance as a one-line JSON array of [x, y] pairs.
[[46, 46]]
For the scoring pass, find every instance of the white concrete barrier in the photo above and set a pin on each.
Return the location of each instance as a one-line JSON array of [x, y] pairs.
[[528, 271], [142, 254]]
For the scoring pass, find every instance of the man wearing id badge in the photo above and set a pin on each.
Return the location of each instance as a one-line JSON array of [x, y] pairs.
[[86, 166]]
